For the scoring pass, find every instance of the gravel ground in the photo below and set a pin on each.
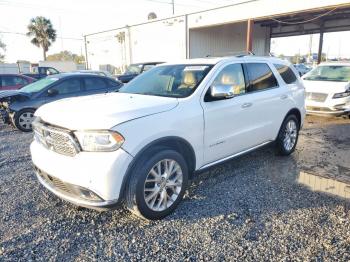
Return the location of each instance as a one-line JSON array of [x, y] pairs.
[[249, 209]]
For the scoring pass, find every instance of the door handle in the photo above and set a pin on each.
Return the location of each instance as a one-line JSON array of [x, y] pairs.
[[284, 97], [246, 105]]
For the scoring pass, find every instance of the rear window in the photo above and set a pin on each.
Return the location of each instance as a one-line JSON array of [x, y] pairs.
[[286, 73], [260, 77]]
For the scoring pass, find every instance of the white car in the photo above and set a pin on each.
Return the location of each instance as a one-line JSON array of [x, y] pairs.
[[328, 89], [143, 144]]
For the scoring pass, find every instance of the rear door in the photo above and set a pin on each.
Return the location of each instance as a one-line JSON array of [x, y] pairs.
[[269, 100], [96, 85]]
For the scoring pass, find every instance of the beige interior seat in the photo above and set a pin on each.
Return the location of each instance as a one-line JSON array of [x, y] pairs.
[[188, 80]]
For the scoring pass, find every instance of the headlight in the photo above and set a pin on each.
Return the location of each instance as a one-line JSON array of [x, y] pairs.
[[342, 95], [99, 141]]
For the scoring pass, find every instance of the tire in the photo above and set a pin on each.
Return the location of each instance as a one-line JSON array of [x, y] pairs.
[[290, 127], [165, 192], [23, 120]]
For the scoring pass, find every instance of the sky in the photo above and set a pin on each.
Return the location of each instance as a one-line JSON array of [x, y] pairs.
[[74, 18]]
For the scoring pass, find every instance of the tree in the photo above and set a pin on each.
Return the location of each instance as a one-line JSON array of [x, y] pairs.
[[67, 56], [2, 51], [42, 32]]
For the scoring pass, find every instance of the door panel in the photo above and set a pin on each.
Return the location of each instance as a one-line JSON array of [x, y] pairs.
[[230, 125], [95, 85]]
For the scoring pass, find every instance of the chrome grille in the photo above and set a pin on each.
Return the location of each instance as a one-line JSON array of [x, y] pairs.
[[55, 139], [317, 97]]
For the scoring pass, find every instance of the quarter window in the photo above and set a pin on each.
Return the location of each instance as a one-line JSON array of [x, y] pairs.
[[260, 77], [286, 73]]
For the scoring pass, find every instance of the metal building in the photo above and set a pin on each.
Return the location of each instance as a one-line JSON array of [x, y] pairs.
[[246, 26]]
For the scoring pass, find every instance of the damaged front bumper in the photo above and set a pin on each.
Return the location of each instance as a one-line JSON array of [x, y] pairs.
[[5, 116]]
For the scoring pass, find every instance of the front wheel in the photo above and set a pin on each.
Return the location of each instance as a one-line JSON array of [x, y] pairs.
[[288, 135], [23, 120], [157, 184]]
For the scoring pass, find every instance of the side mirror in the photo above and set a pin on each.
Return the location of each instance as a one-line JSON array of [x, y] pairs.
[[52, 92], [221, 91]]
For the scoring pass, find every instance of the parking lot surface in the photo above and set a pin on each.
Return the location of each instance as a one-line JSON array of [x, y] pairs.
[[254, 208]]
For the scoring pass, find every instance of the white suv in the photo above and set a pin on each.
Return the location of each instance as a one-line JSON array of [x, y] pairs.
[[143, 143]]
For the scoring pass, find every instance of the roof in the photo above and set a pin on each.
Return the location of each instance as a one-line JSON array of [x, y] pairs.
[[148, 63], [63, 75], [215, 60], [20, 75]]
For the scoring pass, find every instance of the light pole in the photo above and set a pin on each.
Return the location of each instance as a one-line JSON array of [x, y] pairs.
[[86, 54]]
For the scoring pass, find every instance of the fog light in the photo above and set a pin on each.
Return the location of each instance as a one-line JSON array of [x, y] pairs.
[[87, 194]]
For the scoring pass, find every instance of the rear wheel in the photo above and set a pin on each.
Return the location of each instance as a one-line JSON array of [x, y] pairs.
[[157, 184], [23, 120], [288, 135]]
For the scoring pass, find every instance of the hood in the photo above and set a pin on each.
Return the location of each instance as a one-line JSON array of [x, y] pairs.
[[6, 94], [103, 111], [327, 87]]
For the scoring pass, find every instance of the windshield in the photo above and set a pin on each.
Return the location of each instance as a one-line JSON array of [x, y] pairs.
[[335, 73], [38, 85], [133, 69], [169, 81]]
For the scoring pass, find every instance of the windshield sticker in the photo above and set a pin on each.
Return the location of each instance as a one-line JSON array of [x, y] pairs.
[[195, 68]]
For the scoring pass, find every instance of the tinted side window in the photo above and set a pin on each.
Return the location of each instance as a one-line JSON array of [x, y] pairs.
[[20, 81], [286, 73], [8, 81], [260, 77], [232, 75], [94, 83], [68, 86]]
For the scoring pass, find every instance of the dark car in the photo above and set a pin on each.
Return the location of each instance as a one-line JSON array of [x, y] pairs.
[[14, 81], [17, 107], [134, 70], [43, 71]]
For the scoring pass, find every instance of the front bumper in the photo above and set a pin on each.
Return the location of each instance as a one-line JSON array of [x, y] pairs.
[[4, 115], [326, 111], [99, 173], [331, 107]]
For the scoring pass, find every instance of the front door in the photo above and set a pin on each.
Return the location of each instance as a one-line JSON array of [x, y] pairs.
[[229, 123]]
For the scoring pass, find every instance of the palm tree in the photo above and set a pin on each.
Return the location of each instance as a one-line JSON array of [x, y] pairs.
[[42, 33]]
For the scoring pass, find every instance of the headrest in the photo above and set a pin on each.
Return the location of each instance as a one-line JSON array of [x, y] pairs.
[[189, 78], [227, 79]]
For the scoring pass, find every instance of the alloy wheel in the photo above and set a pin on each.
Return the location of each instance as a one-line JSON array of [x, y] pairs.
[[163, 185], [290, 135]]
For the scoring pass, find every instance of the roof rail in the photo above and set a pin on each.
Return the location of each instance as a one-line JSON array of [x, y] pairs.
[[233, 54]]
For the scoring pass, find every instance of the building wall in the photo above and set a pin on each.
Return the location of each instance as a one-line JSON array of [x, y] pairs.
[[159, 41], [257, 9], [228, 39]]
